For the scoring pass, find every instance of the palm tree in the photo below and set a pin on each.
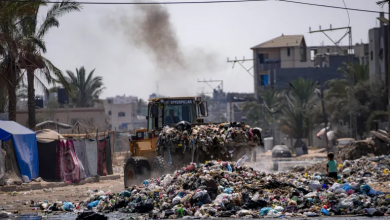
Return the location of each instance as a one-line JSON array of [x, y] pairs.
[[34, 45], [254, 115], [11, 13], [296, 118], [84, 89]]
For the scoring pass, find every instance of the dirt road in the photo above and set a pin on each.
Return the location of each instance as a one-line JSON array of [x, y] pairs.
[[20, 201]]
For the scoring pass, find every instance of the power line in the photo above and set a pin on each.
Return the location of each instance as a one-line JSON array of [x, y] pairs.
[[349, 19], [197, 2], [330, 6]]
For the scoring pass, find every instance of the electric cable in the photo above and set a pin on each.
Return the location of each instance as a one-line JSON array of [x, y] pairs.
[[194, 2]]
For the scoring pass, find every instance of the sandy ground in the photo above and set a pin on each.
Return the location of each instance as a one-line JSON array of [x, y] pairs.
[[20, 202]]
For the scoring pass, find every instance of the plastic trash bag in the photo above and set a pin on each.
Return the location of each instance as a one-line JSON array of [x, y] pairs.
[[93, 204], [167, 180], [176, 200], [255, 197], [144, 206], [126, 193], [228, 190], [315, 185], [346, 186], [279, 208], [365, 189], [229, 167], [339, 191], [68, 206], [264, 211], [324, 211], [273, 213]]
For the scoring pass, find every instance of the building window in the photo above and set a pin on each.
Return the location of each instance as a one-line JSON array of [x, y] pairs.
[[371, 55], [109, 112], [381, 53], [303, 54], [109, 101], [288, 52], [121, 114], [328, 50]]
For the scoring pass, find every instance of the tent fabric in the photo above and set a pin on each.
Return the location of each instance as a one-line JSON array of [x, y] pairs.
[[2, 167], [79, 147], [47, 152], [91, 148], [11, 165], [109, 156], [25, 144], [69, 163], [102, 165], [47, 135]]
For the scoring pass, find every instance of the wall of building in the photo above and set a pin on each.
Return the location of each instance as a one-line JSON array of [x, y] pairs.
[[67, 116], [374, 61], [115, 115], [361, 52], [281, 77]]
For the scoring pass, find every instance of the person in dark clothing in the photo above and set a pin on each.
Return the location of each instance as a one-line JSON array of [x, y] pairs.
[[172, 118]]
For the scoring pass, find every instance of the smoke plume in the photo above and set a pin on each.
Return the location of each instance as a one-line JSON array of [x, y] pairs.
[[150, 29]]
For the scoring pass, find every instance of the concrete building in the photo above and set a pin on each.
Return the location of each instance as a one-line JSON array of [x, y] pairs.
[[285, 58], [378, 52], [122, 113]]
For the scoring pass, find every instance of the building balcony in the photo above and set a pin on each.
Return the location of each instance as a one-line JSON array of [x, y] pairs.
[[268, 66]]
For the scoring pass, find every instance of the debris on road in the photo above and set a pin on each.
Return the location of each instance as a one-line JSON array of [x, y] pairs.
[[232, 189]]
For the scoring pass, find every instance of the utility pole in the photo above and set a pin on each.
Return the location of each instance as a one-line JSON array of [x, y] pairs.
[[388, 68], [240, 62], [219, 86], [352, 115]]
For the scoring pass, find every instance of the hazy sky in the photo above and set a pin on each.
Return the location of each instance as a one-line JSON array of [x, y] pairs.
[[107, 38]]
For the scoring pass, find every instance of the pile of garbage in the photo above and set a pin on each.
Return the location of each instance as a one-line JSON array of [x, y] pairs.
[[232, 189], [212, 139]]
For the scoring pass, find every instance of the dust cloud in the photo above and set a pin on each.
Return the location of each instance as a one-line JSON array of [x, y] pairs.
[[150, 29]]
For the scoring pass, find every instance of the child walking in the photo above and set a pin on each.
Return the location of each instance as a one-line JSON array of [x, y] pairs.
[[331, 167]]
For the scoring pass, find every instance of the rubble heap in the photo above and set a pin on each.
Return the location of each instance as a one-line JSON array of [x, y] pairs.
[[231, 189], [218, 140]]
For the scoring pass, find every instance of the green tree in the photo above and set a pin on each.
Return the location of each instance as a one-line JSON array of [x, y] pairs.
[[296, 118], [34, 46], [343, 99], [254, 114], [84, 89], [11, 14]]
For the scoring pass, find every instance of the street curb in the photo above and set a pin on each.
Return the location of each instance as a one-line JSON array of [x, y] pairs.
[[47, 185]]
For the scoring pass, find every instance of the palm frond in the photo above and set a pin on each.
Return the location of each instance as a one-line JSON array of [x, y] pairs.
[[40, 84], [381, 3], [57, 10], [37, 42]]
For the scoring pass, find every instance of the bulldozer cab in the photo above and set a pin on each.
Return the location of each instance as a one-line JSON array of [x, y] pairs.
[[161, 112], [170, 111]]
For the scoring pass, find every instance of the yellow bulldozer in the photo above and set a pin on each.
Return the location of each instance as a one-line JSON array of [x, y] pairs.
[[147, 155]]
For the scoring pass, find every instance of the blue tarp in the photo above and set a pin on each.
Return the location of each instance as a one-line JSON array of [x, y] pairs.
[[25, 143]]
